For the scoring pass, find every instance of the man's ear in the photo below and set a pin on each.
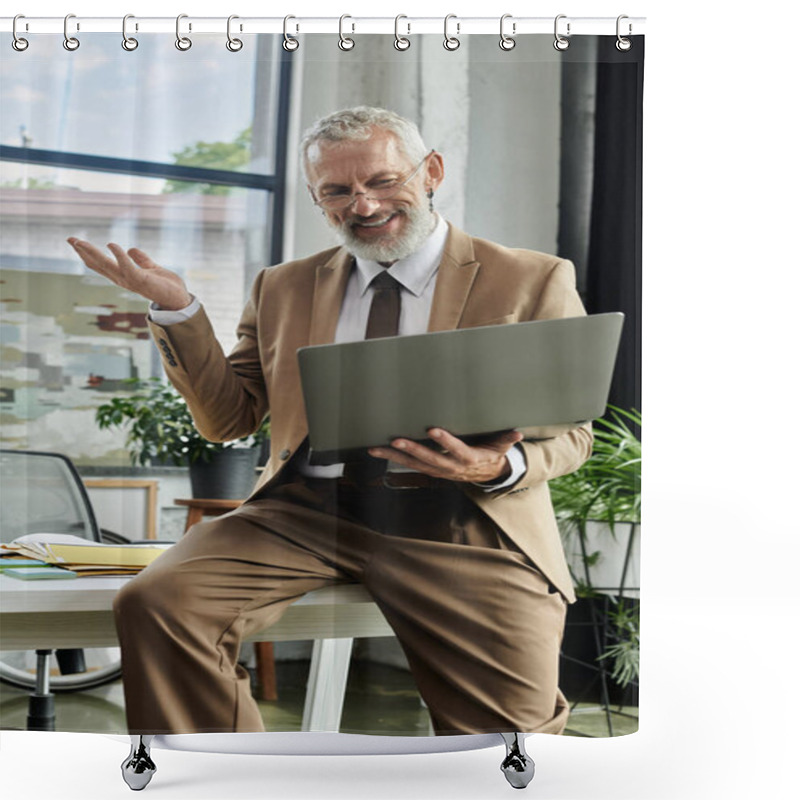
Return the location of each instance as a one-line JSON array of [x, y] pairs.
[[435, 171]]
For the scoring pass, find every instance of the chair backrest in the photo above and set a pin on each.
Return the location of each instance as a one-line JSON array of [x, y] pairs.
[[43, 493]]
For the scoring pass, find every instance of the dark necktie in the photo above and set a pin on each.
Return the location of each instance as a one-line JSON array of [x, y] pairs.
[[383, 320], [384, 313]]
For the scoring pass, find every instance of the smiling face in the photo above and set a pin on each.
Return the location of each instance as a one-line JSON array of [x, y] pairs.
[[377, 230]]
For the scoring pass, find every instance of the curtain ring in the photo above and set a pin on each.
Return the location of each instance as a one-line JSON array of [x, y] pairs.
[[19, 44], [233, 45], [128, 42], [623, 44], [70, 42], [345, 42], [182, 42], [400, 42], [451, 42], [507, 42], [290, 43], [561, 43]]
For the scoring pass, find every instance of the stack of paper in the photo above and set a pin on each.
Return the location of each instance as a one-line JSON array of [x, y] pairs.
[[81, 556]]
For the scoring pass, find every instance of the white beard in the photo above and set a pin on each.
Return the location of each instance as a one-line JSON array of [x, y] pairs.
[[421, 223]]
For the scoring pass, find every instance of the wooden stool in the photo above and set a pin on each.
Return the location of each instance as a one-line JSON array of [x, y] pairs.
[[200, 507]]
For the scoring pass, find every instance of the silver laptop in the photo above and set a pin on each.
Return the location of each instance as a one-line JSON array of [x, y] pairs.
[[542, 378]]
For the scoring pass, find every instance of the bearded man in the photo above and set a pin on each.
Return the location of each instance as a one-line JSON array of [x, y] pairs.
[[457, 544]]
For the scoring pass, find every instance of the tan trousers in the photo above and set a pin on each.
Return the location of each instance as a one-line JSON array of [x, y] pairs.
[[478, 622]]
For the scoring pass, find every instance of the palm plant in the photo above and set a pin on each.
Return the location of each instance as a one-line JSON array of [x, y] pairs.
[[607, 489]]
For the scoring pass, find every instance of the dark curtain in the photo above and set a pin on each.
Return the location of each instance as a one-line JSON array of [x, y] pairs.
[[614, 262]]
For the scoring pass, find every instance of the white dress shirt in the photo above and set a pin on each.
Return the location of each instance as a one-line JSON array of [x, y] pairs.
[[417, 276]]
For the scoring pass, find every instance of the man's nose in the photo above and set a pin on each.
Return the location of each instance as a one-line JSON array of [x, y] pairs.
[[364, 205]]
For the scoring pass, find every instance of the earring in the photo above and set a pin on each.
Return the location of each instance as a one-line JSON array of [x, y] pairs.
[[430, 199]]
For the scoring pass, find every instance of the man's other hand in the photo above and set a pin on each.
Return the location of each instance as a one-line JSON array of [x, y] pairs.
[[456, 460], [136, 272]]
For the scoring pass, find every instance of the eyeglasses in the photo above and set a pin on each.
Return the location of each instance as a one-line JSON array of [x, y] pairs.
[[338, 199]]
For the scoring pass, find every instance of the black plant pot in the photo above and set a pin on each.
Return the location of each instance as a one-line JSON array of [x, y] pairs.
[[229, 475]]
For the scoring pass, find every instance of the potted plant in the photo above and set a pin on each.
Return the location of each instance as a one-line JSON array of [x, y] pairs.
[[598, 508], [161, 431]]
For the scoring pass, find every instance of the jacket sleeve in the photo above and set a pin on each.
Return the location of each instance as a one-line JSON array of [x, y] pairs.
[[227, 396], [551, 458]]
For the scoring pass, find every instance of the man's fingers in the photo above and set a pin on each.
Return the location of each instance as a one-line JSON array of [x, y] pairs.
[[449, 443], [420, 453], [406, 459], [141, 258], [459, 448], [509, 438], [92, 257]]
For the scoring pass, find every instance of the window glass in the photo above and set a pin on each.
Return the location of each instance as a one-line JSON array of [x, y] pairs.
[[202, 107]]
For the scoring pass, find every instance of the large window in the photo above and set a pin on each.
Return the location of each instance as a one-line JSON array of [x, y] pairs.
[[179, 153]]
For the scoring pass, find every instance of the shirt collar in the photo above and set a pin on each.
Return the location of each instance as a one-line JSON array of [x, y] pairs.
[[415, 271]]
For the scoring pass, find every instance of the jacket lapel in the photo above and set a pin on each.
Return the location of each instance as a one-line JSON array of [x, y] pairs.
[[454, 280], [329, 287]]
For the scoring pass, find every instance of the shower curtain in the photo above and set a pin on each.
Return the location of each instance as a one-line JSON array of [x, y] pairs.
[[191, 154]]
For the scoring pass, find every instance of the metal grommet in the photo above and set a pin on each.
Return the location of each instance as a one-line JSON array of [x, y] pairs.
[[128, 42], [400, 42], [19, 44], [233, 45], [345, 42], [623, 44], [182, 42], [561, 43], [290, 43], [70, 42], [507, 42], [451, 42]]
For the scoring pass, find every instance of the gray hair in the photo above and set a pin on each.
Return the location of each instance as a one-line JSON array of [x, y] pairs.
[[356, 124]]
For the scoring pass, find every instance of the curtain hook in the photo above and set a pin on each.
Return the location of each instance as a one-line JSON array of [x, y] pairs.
[[128, 42], [623, 44], [561, 43], [70, 42], [233, 45], [451, 42], [19, 44], [345, 42], [401, 42], [507, 42], [182, 42], [290, 43]]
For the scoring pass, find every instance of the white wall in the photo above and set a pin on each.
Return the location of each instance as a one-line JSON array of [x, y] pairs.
[[494, 116]]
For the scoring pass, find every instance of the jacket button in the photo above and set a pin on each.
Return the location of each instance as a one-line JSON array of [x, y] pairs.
[[284, 454]]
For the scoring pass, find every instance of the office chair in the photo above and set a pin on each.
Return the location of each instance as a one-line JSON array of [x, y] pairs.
[[42, 492]]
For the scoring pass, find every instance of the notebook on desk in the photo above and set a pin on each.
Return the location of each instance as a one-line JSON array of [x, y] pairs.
[[542, 378]]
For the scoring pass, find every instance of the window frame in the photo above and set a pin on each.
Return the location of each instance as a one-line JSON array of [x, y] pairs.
[[273, 183]]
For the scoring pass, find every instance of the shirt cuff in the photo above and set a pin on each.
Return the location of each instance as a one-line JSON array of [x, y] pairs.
[[516, 460], [164, 317]]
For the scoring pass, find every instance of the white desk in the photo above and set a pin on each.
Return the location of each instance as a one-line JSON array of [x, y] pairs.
[[47, 615]]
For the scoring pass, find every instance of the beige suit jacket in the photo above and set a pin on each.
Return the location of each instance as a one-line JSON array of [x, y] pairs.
[[297, 303]]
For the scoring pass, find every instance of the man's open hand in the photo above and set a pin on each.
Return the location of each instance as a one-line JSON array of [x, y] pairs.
[[137, 272], [456, 461]]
